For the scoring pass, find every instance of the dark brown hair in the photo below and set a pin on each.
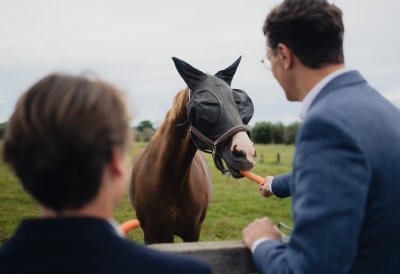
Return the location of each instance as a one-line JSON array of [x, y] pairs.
[[312, 29], [61, 135]]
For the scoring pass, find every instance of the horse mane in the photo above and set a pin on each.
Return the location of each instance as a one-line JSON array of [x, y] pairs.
[[177, 112], [171, 183]]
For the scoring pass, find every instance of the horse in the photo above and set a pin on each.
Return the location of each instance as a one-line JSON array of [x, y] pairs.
[[170, 186]]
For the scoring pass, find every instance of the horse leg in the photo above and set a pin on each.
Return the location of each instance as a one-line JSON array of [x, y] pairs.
[[191, 234], [155, 238]]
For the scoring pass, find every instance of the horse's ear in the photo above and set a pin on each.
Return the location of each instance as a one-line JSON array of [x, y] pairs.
[[228, 73], [189, 74]]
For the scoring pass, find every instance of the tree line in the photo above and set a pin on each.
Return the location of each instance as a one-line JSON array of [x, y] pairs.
[[274, 133], [2, 129], [261, 132]]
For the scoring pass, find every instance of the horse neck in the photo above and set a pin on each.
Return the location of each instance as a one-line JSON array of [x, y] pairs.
[[176, 149]]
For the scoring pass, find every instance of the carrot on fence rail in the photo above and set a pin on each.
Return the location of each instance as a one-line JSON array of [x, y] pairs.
[[252, 176]]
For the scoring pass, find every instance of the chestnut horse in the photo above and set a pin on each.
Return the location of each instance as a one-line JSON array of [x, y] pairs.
[[171, 183]]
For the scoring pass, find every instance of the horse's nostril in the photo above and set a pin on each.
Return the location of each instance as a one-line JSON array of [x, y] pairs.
[[239, 153]]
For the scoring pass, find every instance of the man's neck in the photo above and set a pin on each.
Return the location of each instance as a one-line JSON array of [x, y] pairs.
[[100, 207], [308, 78], [82, 212]]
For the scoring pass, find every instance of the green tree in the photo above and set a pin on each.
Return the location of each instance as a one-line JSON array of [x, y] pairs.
[[144, 131], [144, 124], [278, 132], [291, 132], [2, 130], [147, 134], [262, 133]]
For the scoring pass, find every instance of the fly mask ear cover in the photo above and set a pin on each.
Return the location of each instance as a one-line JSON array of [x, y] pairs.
[[242, 100], [244, 105], [216, 112]]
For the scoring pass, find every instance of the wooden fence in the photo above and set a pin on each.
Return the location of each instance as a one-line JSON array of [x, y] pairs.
[[224, 257]]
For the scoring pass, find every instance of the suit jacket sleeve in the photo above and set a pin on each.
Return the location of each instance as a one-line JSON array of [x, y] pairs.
[[330, 187], [281, 185]]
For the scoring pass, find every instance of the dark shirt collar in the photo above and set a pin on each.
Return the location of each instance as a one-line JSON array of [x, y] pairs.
[[62, 230]]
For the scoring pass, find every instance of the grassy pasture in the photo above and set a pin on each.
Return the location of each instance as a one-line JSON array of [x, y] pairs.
[[235, 203]]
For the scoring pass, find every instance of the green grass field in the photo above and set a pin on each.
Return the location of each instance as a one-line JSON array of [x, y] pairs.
[[235, 203]]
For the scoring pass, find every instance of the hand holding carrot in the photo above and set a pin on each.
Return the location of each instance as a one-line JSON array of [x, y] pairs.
[[265, 188], [265, 184]]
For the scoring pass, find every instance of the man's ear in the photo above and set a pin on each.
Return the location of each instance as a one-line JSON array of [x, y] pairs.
[[116, 163], [286, 55]]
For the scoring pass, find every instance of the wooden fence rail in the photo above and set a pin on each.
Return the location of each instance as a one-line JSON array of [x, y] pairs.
[[224, 257]]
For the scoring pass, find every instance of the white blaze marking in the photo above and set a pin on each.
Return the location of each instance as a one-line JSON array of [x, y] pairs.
[[242, 142]]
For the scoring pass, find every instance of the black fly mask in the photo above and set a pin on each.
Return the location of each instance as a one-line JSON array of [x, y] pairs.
[[216, 112]]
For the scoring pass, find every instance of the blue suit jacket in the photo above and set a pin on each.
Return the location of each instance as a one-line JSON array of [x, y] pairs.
[[84, 245], [345, 186]]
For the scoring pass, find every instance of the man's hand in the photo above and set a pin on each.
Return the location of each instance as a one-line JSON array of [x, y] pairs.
[[258, 229], [265, 188]]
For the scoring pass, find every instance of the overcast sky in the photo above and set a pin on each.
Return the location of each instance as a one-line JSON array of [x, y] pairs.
[[130, 44]]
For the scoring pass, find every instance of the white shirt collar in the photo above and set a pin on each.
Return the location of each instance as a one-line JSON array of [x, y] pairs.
[[313, 93], [116, 227]]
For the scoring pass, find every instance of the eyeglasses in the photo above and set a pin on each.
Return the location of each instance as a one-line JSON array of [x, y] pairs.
[[266, 62]]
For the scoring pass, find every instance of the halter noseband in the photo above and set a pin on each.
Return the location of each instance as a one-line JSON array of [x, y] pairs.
[[213, 144]]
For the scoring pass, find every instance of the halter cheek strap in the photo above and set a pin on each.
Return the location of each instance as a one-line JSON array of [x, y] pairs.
[[213, 145]]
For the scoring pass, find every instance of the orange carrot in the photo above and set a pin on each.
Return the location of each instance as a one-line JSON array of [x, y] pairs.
[[252, 176], [129, 225]]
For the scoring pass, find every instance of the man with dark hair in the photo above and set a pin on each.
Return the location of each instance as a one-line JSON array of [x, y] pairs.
[[68, 141], [346, 168]]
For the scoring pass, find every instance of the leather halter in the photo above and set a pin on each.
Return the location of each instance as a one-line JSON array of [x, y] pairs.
[[213, 144]]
